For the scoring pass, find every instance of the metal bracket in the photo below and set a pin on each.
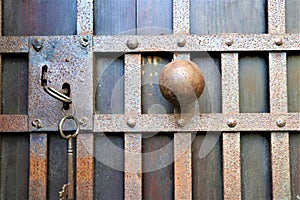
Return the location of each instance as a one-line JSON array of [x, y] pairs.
[[68, 61]]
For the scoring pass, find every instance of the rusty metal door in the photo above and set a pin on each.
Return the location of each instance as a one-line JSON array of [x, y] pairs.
[[240, 140]]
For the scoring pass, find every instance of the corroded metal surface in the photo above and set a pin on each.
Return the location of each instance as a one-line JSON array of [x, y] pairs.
[[231, 166], [231, 141], [66, 61], [183, 165], [132, 83], [280, 156], [181, 82], [13, 123], [85, 166], [241, 42], [85, 17], [133, 142], [133, 166], [201, 122], [276, 16], [38, 166], [13, 44], [181, 17]]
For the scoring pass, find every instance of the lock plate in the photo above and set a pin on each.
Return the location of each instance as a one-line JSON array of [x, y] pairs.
[[67, 59]]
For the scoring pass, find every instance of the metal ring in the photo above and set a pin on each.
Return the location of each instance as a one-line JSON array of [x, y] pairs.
[[57, 95], [61, 123]]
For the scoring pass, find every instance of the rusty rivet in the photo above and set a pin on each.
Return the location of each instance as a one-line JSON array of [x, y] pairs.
[[280, 122], [181, 122], [37, 44], [37, 123], [229, 41], [84, 41], [132, 43], [279, 41], [131, 123], [231, 123], [181, 42]]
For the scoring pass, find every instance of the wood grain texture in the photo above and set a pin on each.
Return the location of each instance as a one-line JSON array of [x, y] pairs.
[[110, 15], [109, 179], [207, 171], [14, 166], [57, 165], [292, 16], [219, 16], [35, 17], [154, 17]]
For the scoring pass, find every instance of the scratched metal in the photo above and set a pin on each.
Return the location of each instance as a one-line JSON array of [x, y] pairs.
[[279, 141], [38, 166], [231, 141], [85, 18], [201, 122], [85, 166], [181, 17], [10, 44], [133, 142], [241, 42], [68, 62], [276, 16], [13, 123]]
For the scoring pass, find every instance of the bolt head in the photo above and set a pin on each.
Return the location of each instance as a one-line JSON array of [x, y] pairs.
[[84, 41], [131, 123], [229, 42], [181, 42], [280, 122], [37, 44], [279, 41], [231, 123], [132, 43], [37, 123], [181, 122]]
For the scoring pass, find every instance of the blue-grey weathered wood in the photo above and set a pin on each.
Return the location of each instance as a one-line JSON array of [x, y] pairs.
[[14, 166], [207, 171], [115, 17], [228, 16], [57, 165], [109, 174], [254, 98], [154, 17], [293, 66], [292, 16], [39, 17]]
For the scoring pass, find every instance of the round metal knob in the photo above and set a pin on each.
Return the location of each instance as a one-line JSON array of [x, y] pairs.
[[181, 82]]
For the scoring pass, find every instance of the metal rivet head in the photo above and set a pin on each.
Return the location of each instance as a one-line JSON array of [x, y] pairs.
[[131, 123], [84, 41], [37, 123], [181, 122], [37, 44], [280, 122], [229, 41], [132, 43], [181, 42], [231, 123], [279, 41]]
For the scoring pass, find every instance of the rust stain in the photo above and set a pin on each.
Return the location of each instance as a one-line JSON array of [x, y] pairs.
[[13, 123]]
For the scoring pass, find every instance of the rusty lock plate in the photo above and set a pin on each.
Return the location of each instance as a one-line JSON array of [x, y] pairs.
[[67, 60]]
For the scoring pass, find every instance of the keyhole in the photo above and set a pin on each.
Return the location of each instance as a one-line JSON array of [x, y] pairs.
[[44, 75], [66, 89]]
